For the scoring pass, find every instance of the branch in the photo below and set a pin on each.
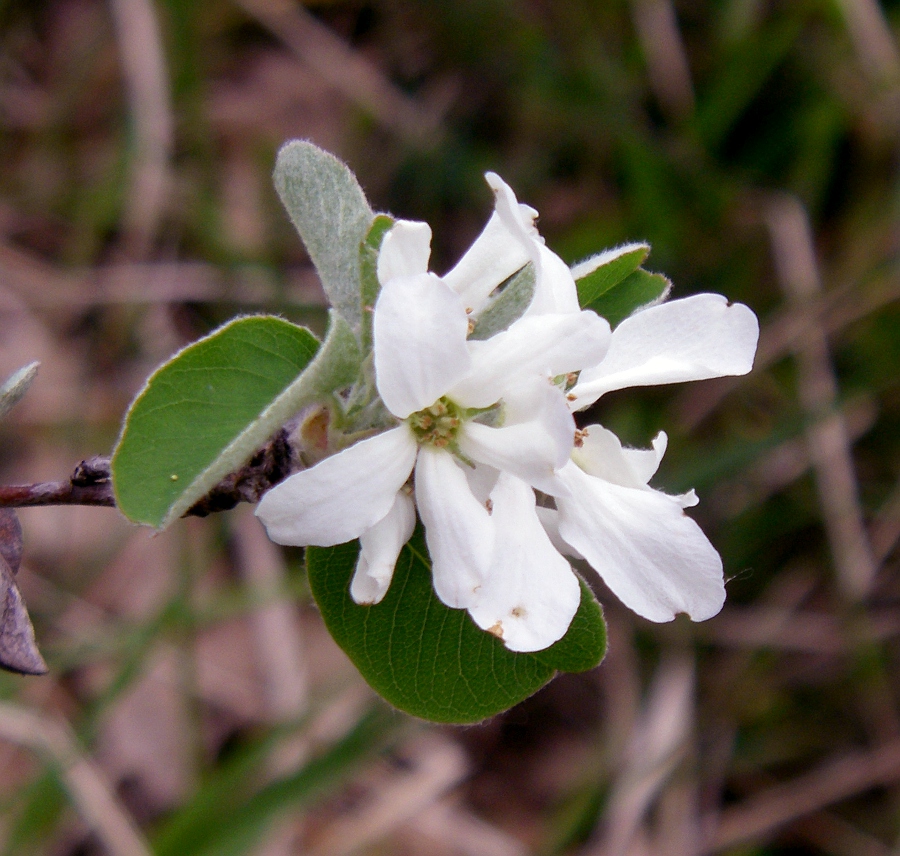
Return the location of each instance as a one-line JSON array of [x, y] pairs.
[[91, 483]]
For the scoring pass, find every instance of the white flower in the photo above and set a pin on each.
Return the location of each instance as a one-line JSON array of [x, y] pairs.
[[473, 481], [647, 550]]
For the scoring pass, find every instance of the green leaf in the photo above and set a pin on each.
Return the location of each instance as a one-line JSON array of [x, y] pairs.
[[598, 274], [15, 387], [508, 305], [336, 366], [430, 660], [636, 290], [330, 211], [206, 411], [368, 273]]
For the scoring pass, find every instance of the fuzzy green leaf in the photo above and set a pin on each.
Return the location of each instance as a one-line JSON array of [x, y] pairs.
[[206, 411], [330, 211], [368, 273], [15, 386], [598, 274], [508, 305], [636, 290], [430, 660]]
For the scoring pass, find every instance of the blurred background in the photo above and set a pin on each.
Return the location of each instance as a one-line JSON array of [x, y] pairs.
[[195, 704]]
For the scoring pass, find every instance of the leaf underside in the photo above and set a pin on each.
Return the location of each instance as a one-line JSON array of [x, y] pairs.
[[15, 386], [329, 210], [203, 414], [508, 305], [18, 648], [432, 661]]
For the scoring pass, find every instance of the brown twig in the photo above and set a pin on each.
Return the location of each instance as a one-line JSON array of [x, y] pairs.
[[667, 64], [91, 792], [146, 81], [827, 437], [872, 37], [91, 483], [838, 779]]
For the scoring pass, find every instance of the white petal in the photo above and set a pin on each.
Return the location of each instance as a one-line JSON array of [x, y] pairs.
[[533, 448], [547, 345], [549, 518], [495, 256], [379, 548], [687, 500], [541, 403], [695, 338], [525, 450], [601, 454], [531, 595], [342, 496], [518, 219], [645, 462], [555, 289], [655, 559], [482, 479], [405, 250], [419, 331], [458, 529]]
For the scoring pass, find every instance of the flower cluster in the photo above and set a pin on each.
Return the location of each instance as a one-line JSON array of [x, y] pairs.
[[482, 442]]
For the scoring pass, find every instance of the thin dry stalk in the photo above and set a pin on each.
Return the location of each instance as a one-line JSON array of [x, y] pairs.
[[761, 816], [344, 69], [146, 80], [872, 38], [667, 64], [679, 821], [885, 529], [655, 747], [831, 312], [92, 794], [280, 658], [835, 837], [785, 464], [620, 680], [276, 628], [434, 764], [26, 280], [827, 435], [462, 832]]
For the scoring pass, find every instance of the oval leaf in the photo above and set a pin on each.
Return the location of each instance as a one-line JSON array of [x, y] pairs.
[[508, 305], [329, 209], [15, 386], [18, 649], [205, 412], [598, 274], [636, 290], [11, 538], [368, 273], [430, 660]]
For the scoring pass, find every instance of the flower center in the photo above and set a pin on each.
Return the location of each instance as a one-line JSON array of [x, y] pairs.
[[437, 425]]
